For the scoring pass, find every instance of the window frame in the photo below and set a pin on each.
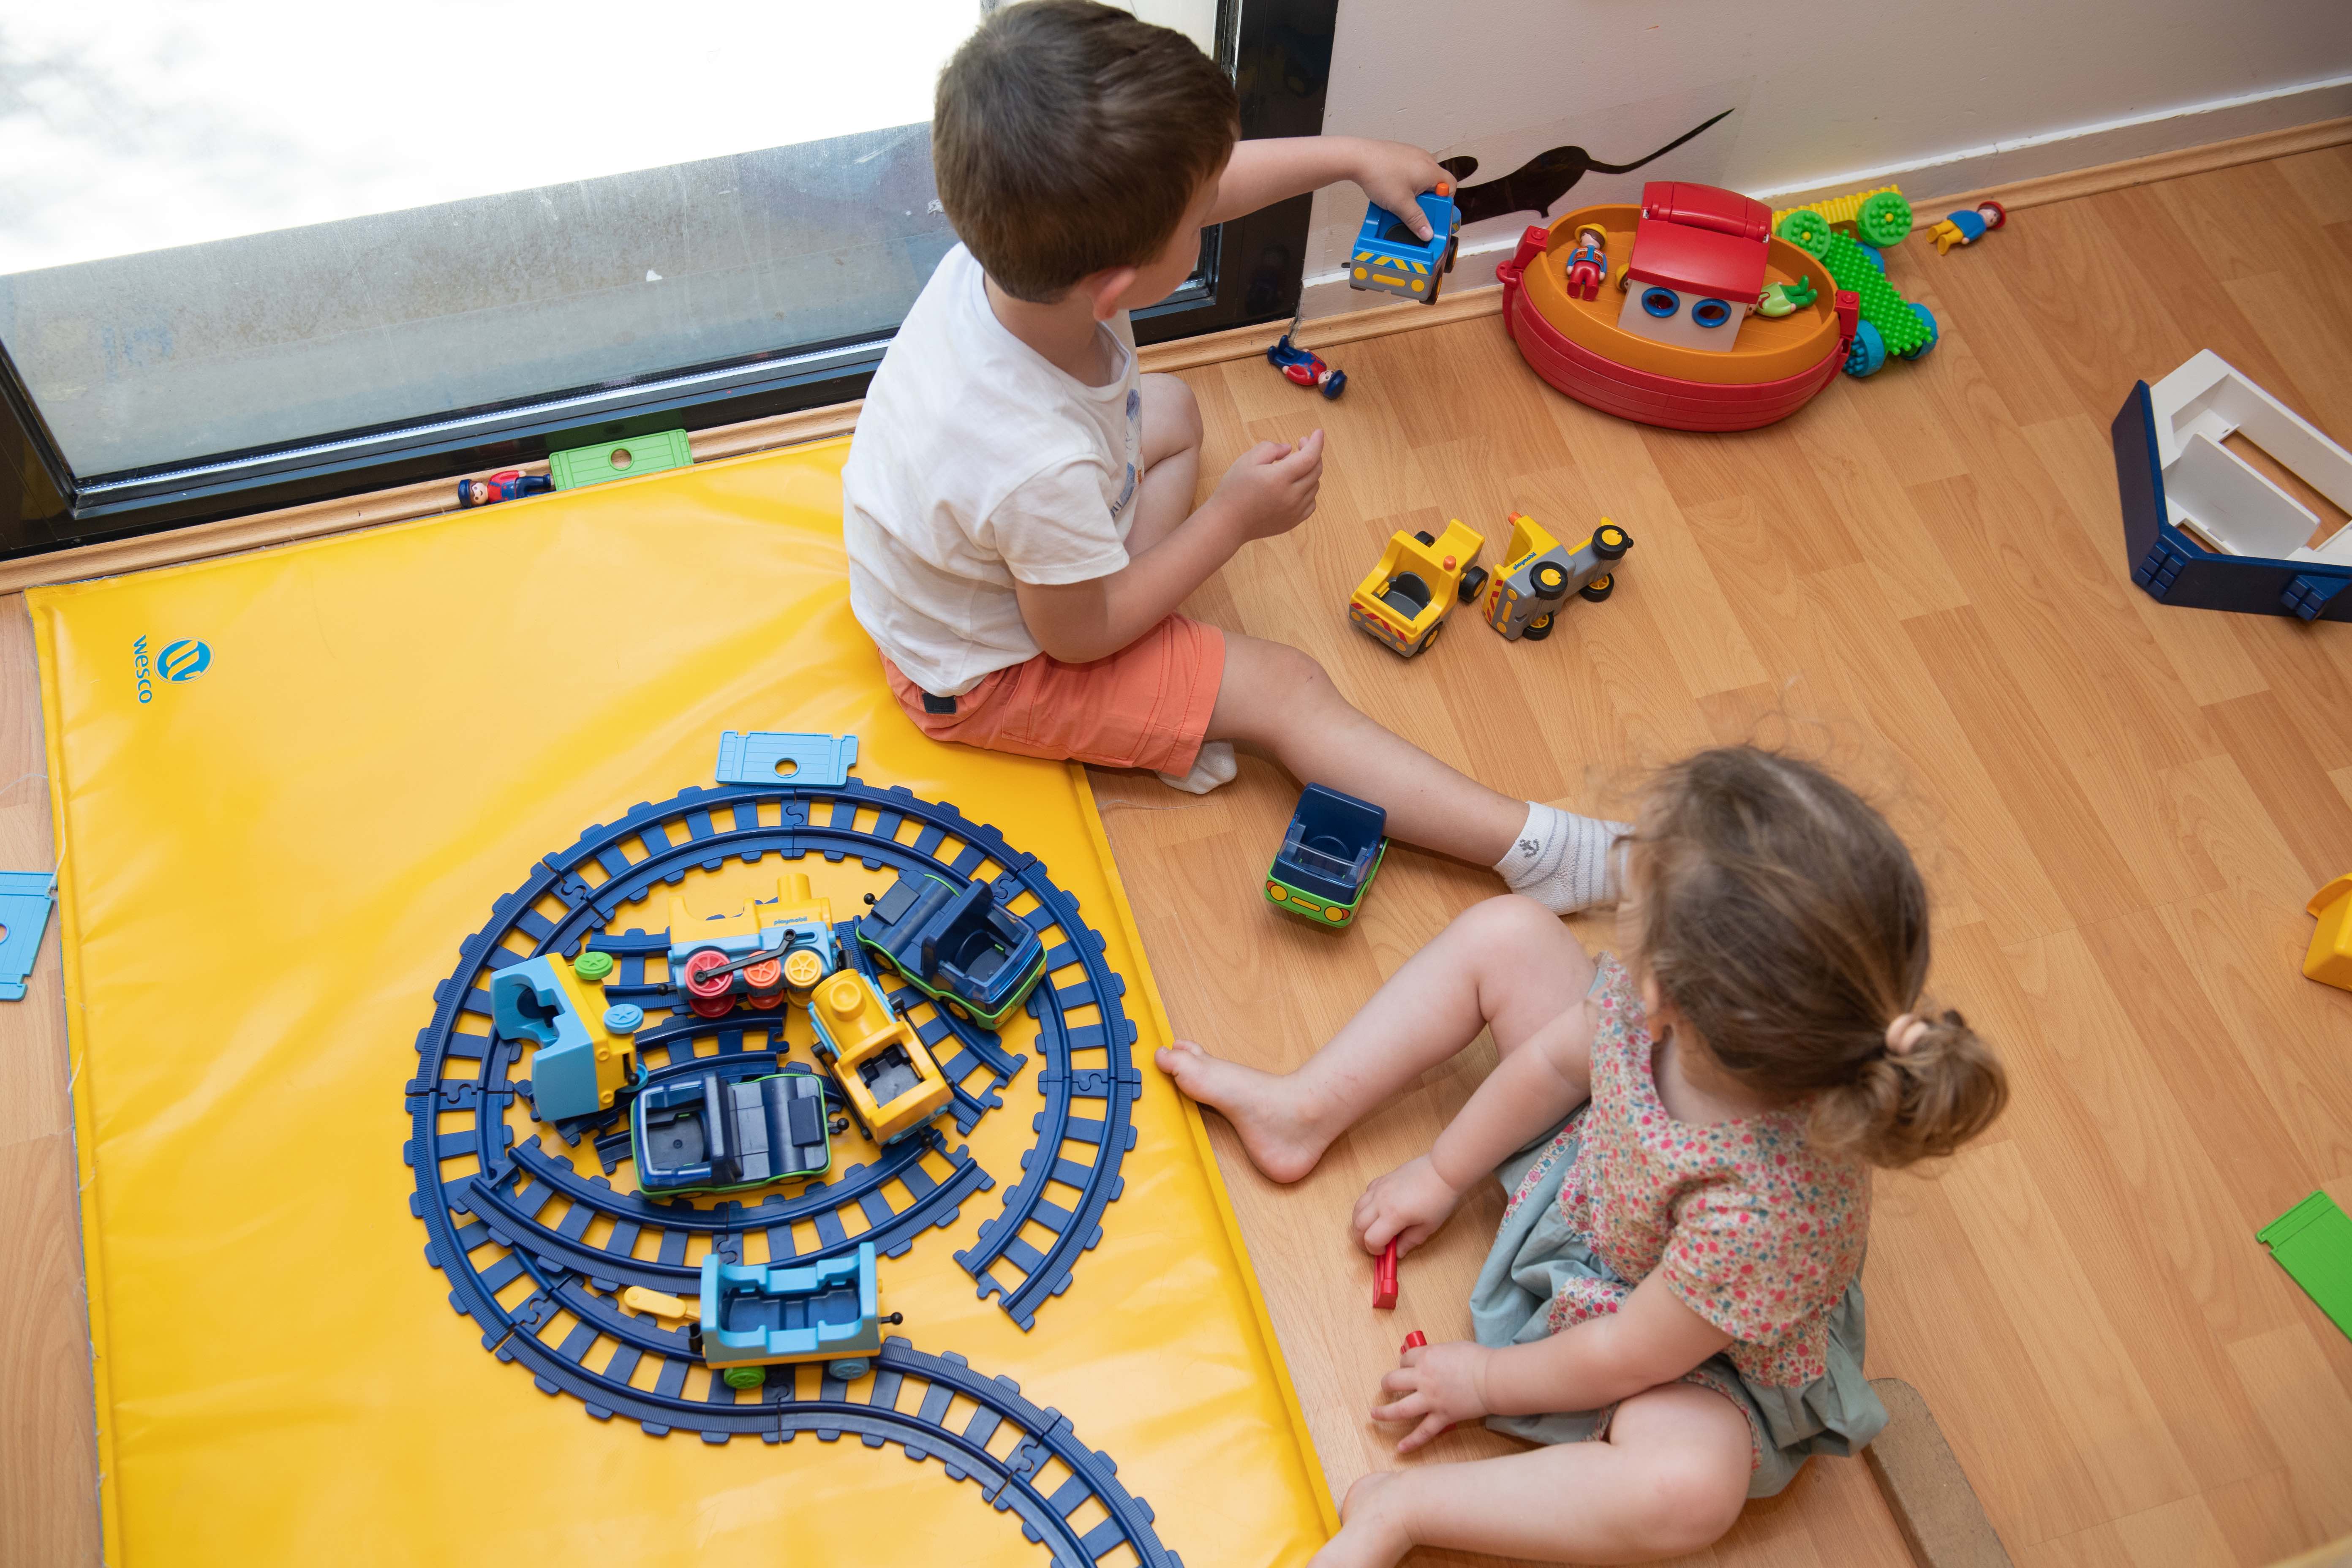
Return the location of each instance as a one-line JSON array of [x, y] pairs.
[[1278, 52]]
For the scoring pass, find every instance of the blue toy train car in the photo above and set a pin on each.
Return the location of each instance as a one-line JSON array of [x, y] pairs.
[[955, 946], [755, 1317], [721, 1130]]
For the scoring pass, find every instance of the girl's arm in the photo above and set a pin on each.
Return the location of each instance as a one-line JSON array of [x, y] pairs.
[[1651, 1340], [1549, 1075], [1262, 173]]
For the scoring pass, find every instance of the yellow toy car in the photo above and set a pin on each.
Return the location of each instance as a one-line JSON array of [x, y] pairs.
[[1539, 572], [1405, 601]]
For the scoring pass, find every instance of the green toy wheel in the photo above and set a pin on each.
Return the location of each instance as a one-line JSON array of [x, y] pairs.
[[1885, 219], [1808, 230], [744, 1376]]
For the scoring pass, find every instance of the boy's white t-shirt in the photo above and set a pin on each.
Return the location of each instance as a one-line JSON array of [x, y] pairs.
[[977, 462]]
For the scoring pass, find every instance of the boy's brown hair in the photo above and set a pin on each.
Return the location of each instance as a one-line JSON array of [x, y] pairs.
[[1786, 920], [1068, 138]]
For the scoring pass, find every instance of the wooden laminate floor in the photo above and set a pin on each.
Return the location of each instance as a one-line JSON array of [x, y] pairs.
[[1919, 580]]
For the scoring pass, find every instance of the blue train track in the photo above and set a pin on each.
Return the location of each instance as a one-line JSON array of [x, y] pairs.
[[500, 1214]]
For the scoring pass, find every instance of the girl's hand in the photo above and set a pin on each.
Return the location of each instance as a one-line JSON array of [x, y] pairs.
[[1438, 1387], [1407, 1205], [1393, 173]]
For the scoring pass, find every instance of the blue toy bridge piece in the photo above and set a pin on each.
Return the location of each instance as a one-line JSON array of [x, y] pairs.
[[768, 756], [2175, 569], [25, 900]]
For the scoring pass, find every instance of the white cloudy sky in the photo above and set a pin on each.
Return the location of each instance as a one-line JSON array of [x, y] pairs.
[[128, 125]]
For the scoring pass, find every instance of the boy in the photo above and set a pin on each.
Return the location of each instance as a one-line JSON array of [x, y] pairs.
[[1018, 500]]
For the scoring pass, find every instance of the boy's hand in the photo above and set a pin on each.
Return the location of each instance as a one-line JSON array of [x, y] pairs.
[[1271, 488], [1407, 1205], [1393, 173], [1437, 1387]]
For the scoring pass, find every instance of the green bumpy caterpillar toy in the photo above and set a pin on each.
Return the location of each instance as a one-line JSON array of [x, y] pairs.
[[1890, 324]]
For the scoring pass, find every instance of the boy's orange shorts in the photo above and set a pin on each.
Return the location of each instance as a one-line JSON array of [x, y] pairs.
[[1146, 706]]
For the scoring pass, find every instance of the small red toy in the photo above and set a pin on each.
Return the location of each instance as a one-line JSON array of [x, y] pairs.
[[1587, 263], [1414, 1341], [1384, 1279]]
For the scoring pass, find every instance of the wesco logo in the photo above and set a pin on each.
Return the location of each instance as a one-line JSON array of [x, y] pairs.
[[181, 661], [184, 661]]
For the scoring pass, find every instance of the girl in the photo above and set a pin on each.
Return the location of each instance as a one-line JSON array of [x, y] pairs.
[[1673, 1305]]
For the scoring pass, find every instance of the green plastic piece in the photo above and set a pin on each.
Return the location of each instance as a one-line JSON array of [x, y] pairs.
[[648, 454], [593, 965], [1885, 219], [2312, 1242], [1314, 908], [1850, 266], [744, 1376]]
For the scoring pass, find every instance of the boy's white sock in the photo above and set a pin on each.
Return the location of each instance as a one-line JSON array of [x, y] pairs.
[[1563, 861], [1215, 765]]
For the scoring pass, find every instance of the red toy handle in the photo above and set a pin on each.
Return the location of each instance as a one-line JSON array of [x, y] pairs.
[[1384, 1277]]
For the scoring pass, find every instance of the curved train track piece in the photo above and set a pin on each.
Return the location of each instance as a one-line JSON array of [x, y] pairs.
[[537, 1253]]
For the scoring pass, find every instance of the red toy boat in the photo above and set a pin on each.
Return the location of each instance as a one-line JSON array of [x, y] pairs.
[[1678, 340]]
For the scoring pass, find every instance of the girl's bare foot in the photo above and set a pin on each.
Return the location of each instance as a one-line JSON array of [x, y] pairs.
[[1283, 1143], [1368, 1536]]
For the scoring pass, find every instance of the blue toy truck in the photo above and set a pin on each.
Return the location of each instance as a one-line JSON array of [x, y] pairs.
[[1389, 258], [955, 946], [1330, 853]]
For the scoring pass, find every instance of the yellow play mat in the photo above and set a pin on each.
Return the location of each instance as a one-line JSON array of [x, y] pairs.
[[353, 1304]]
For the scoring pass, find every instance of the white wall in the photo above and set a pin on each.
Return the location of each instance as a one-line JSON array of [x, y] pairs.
[[1941, 96]]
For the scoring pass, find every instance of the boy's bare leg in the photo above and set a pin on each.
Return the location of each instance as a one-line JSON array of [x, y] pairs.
[[1506, 965], [1279, 700], [1170, 461], [1670, 1479]]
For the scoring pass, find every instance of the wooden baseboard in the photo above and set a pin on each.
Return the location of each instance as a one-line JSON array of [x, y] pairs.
[[410, 501], [2044, 189]]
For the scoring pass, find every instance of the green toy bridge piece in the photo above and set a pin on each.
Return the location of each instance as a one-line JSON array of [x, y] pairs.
[[2312, 1242], [1884, 220]]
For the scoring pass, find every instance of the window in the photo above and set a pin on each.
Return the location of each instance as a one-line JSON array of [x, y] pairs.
[[255, 254]]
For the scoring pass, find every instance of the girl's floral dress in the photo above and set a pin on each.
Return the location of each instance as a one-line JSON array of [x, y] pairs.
[[1754, 1231]]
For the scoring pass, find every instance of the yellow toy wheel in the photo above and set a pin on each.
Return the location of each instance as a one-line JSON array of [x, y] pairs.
[[1600, 588], [803, 969]]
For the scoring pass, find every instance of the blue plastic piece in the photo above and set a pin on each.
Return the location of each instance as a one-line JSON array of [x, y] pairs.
[[1867, 354], [2175, 569], [25, 900], [625, 1018], [759, 757], [1331, 846]]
